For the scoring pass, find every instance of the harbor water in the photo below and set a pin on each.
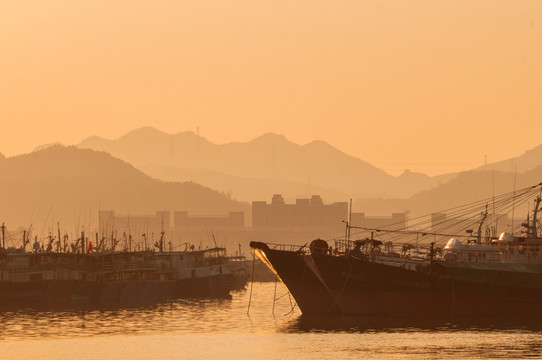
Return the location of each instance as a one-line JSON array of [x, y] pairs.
[[272, 329]]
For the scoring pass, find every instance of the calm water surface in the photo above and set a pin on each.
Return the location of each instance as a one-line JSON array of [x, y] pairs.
[[221, 329]]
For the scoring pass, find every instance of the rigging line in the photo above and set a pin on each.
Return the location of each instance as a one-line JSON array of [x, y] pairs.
[[423, 233], [402, 234], [46, 219], [458, 210], [274, 297], [447, 223], [395, 237], [521, 199], [292, 305], [465, 212], [499, 206], [251, 283], [32, 214], [471, 205], [465, 223], [502, 204], [283, 295], [493, 190]]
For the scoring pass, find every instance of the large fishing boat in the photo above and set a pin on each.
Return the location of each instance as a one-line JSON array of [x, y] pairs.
[[464, 272]]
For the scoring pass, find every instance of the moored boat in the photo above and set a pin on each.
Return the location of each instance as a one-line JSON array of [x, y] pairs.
[[198, 273], [483, 274], [125, 277]]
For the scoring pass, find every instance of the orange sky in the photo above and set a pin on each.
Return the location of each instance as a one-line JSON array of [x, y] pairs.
[[432, 86]]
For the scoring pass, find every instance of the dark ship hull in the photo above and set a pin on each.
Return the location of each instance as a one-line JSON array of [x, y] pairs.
[[328, 284], [46, 292], [218, 286], [57, 292], [310, 293], [121, 292], [49, 278]]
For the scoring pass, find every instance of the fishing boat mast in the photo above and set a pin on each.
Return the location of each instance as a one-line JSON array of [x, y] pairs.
[[479, 234], [532, 231], [3, 235]]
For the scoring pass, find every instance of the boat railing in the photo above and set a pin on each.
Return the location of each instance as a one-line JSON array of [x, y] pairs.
[[377, 248], [344, 246], [288, 247]]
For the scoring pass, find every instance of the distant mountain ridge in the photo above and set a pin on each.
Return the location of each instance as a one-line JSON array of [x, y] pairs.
[[467, 187], [60, 183], [527, 161], [284, 166]]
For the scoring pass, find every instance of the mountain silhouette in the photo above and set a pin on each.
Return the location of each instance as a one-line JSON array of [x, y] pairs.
[[68, 184], [283, 166], [523, 163], [467, 187], [240, 187]]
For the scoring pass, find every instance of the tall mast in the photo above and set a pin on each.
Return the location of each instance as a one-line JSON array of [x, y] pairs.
[[514, 198], [535, 218], [59, 246], [3, 235], [479, 235], [162, 233], [349, 219]]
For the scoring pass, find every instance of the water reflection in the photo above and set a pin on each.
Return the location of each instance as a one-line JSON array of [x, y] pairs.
[[54, 321], [364, 324], [203, 315], [208, 327], [423, 338]]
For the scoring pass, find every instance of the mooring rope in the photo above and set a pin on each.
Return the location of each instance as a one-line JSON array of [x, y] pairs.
[[251, 283]]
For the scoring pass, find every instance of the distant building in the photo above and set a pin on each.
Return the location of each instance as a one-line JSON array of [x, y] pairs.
[[133, 231], [275, 222], [183, 222], [394, 222], [305, 213], [133, 224], [143, 231], [204, 230]]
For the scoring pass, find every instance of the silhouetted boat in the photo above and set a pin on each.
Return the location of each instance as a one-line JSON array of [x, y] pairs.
[[239, 269], [199, 273], [483, 275], [123, 276], [35, 277]]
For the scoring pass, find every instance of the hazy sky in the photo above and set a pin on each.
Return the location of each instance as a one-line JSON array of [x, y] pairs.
[[433, 86]]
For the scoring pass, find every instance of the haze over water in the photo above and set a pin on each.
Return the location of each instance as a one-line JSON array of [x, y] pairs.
[[221, 329]]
